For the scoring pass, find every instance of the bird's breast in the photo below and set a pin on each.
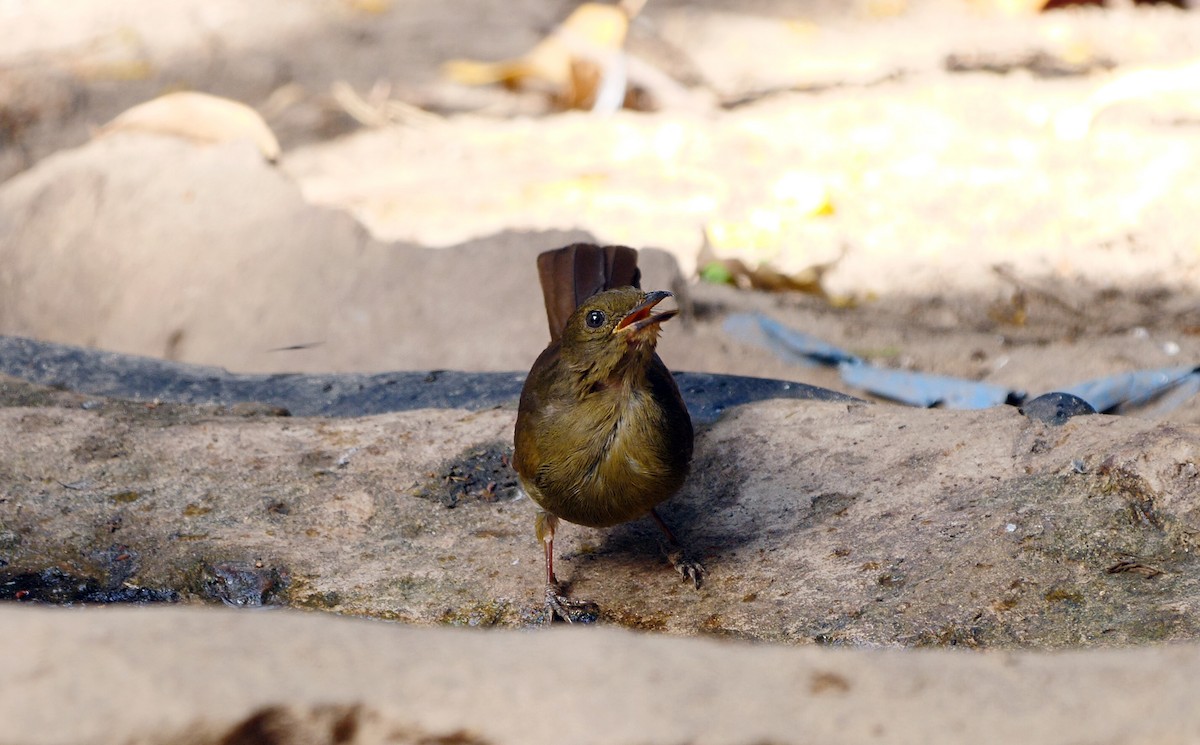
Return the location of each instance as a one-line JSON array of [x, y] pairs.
[[609, 458]]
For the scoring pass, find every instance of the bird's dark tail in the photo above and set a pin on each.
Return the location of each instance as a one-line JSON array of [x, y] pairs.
[[572, 274]]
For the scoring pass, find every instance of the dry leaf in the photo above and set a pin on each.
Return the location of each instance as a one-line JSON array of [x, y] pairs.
[[1180, 84], [763, 277], [570, 63], [198, 117], [1134, 567]]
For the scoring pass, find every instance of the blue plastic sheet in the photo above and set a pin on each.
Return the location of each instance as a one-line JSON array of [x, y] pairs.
[[799, 344], [1134, 388], [1157, 391], [925, 389]]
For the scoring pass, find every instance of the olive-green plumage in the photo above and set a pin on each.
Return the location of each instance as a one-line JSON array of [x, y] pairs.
[[602, 434]]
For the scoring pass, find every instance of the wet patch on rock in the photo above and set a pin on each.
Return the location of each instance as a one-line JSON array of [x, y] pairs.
[[243, 584], [496, 612], [483, 472], [96, 373], [56, 586]]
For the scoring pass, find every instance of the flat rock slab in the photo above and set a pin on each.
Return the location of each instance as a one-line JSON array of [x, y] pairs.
[[194, 677], [836, 523]]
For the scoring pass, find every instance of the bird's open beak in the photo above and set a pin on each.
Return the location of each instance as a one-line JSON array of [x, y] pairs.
[[641, 317]]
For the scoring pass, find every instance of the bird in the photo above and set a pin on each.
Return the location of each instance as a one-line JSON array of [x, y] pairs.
[[602, 433]]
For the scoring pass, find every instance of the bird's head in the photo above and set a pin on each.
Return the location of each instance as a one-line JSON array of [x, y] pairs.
[[613, 331]]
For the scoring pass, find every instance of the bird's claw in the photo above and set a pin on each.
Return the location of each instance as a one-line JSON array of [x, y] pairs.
[[689, 569], [571, 611]]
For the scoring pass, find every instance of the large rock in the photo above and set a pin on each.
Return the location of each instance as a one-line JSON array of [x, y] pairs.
[[819, 522], [191, 677], [158, 246]]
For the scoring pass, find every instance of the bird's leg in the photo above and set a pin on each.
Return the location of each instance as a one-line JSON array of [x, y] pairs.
[[544, 526], [689, 568], [571, 611]]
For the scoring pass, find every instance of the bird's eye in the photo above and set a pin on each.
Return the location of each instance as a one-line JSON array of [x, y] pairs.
[[595, 319]]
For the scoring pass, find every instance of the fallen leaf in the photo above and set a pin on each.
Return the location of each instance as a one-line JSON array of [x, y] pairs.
[[1134, 567], [199, 117], [571, 63]]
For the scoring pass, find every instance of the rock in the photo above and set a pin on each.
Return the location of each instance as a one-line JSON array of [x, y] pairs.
[[156, 246], [1056, 408], [837, 523], [189, 676]]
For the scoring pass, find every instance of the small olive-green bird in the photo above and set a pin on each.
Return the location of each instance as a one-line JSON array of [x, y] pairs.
[[602, 434]]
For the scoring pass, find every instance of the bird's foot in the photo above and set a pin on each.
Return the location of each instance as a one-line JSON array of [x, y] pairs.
[[571, 611], [690, 569]]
